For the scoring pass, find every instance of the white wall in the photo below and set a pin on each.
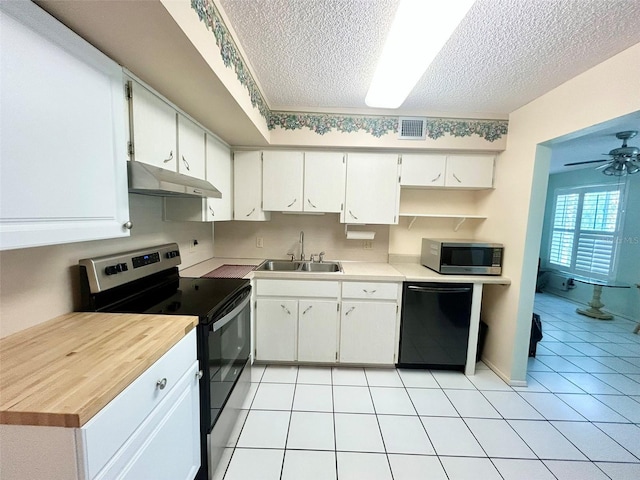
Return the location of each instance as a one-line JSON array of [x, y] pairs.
[[37, 284], [517, 204], [619, 301]]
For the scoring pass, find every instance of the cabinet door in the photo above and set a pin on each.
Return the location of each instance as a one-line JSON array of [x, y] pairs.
[[324, 178], [368, 332], [317, 331], [422, 170], [63, 167], [276, 334], [247, 187], [153, 129], [469, 171], [282, 181], [172, 450], [190, 148], [372, 190], [219, 174]]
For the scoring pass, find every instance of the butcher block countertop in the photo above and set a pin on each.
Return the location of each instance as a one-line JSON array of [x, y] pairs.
[[64, 371]]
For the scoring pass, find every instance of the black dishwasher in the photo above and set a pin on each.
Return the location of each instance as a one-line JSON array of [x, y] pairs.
[[435, 320]]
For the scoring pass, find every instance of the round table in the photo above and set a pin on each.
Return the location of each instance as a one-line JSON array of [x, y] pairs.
[[595, 305]]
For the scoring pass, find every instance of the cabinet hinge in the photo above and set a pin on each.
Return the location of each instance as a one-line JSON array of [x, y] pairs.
[[342, 207], [399, 159], [336, 356], [130, 149], [337, 307], [128, 90], [344, 159], [394, 219], [397, 308]]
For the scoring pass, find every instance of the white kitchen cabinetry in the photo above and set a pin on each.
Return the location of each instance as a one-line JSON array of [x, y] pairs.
[[469, 171], [219, 174], [150, 430], [324, 181], [153, 129], [369, 323], [247, 187], [63, 173], [303, 181], [448, 171], [372, 189], [191, 158], [282, 181], [296, 320]]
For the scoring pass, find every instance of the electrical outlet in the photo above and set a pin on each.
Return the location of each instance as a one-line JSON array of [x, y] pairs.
[[367, 244], [259, 242], [192, 245]]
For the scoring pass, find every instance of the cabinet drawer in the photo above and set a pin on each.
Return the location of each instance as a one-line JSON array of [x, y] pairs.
[[109, 429], [297, 288], [370, 290]]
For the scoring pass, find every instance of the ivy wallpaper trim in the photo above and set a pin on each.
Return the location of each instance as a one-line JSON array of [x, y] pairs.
[[322, 123]]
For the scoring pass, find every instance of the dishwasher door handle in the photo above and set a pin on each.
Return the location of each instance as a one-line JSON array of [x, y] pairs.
[[439, 289]]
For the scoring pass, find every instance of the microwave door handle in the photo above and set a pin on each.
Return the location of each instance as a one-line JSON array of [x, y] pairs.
[[439, 289], [218, 324]]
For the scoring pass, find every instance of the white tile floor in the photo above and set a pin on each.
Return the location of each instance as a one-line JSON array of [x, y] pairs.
[[578, 418]]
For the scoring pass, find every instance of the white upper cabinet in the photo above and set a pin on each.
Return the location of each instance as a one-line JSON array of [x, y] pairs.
[[423, 170], [469, 171], [63, 167], [191, 146], [247, 187], [372, 190], [303, 182], [282, 181], [153, 129], [220, 175], [448, 171], [324, 179]]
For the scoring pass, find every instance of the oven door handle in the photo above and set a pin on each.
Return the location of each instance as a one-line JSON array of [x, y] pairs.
[[217, 325], [439, 289]]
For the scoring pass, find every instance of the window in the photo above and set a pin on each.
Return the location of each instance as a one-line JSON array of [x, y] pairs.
[[585, 225]]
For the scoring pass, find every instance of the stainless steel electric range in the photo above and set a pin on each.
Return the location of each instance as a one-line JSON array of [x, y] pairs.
[[147, 281]]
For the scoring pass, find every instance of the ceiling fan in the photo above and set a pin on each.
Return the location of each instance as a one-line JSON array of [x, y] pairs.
[[625, 160]]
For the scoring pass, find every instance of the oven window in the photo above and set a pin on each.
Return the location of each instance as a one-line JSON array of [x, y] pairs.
[[228, 351]]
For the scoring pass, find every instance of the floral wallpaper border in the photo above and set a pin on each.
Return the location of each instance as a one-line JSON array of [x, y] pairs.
[[322, 123]]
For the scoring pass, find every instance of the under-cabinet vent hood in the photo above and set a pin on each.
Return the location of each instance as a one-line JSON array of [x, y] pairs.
[[150, 180]]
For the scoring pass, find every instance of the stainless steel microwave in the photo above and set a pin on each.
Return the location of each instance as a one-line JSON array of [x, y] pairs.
[[462, 257]]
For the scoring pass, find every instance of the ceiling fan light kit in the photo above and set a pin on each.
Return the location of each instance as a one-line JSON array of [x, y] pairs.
[[625, 160]]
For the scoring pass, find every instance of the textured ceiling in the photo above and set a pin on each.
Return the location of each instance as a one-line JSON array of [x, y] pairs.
[[320, 54]]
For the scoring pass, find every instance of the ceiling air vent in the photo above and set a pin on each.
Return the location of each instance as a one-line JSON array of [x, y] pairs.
[[412, 128]]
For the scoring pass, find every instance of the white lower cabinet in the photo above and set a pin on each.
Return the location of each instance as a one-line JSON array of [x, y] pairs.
[[150, 430], [306, 321], [368, 332]]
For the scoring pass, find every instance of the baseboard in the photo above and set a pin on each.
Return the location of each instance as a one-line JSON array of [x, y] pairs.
[[505, 378]]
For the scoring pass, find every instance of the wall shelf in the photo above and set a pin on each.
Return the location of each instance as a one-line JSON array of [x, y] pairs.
[[459, 218]]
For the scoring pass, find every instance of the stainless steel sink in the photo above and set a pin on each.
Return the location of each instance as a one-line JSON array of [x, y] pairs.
[[278, 266], [288, 266], [321, 267]]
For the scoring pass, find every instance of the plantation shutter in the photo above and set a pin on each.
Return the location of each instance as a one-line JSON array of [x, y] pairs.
[[564, 224]]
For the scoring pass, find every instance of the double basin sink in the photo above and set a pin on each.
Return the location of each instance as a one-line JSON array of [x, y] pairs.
[[297, 266]]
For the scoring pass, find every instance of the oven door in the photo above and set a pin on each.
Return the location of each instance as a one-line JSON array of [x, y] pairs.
[[225, 346]]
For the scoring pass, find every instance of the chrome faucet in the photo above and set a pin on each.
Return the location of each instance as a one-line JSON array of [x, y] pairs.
[[302, 246]]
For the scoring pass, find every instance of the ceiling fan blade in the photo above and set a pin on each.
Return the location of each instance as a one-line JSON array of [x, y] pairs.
[[600, 167], [588, 161]]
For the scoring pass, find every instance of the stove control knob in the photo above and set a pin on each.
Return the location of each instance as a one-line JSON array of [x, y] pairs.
[[173, 254], [111, 270], [122, 267]]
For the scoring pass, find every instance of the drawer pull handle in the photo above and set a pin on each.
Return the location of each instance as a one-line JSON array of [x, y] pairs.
[[286, 309], [454, 176], [291, 204], [186, 164], [436, 177], [199, 374], [307, 309], [161, 383], [167, 160], [249, 214], [369, 292], [309, 201], [349, 311]]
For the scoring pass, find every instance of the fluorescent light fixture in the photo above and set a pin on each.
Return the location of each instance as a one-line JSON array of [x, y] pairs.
[[418, 32]]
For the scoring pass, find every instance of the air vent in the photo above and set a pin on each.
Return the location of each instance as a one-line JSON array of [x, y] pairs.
[[412, 128]]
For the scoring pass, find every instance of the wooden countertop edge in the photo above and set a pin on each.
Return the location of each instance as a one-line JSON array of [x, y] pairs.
[[13, 415]]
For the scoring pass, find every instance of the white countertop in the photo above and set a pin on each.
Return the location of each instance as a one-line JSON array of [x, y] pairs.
[[364, 271]]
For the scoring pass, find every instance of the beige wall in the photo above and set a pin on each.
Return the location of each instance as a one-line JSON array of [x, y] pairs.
[[607, 91], [281, 235], [37, 284]]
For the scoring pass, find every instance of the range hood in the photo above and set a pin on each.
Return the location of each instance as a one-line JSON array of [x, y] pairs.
[[151, 180]]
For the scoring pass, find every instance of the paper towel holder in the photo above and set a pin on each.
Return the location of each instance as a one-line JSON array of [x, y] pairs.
[[358, 234]]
